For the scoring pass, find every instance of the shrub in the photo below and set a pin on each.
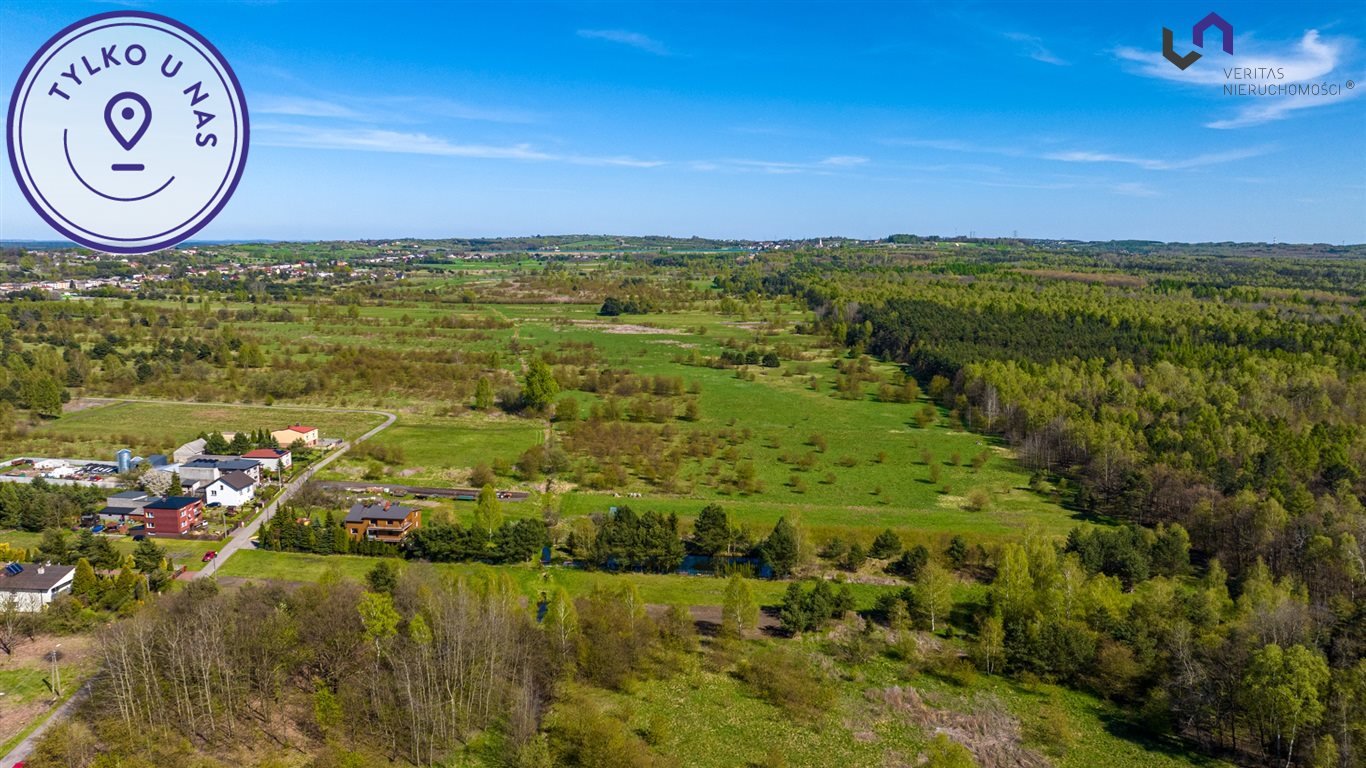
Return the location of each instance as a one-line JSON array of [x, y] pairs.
[[788, 679]]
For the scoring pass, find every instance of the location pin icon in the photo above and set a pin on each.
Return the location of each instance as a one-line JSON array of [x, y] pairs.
[[127, 116]]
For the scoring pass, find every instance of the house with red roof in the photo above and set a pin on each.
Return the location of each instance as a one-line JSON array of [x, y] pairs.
[[294, 433], [273, 459]]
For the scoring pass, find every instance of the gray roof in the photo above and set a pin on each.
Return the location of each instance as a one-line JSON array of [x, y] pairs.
[[377, 511], [237, 481], [30, 580], [238, 464], [131, 495]]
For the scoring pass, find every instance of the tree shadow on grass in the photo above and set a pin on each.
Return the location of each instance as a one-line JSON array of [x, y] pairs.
[[1123, 727]]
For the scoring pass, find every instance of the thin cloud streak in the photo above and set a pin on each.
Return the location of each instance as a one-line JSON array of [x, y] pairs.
[[378, 140], [628, 38], [1035, 49], [1211, 158], [1087, 156]]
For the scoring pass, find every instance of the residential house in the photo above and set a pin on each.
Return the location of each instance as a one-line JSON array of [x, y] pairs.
[[34, 587], [381, 521], [289, 435], [173, 515], [249, 467], [232, 489], [273, 459]]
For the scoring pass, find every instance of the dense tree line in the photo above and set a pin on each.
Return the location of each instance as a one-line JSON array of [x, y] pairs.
[[41, 505]]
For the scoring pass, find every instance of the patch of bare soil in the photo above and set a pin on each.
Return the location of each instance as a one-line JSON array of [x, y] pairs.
[[625, 328], [85, 403], [987, 729]]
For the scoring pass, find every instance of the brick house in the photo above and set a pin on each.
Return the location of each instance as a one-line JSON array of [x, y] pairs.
[[173, 515]]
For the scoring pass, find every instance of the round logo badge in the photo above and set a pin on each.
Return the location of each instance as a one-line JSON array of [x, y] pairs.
[[127, 132]]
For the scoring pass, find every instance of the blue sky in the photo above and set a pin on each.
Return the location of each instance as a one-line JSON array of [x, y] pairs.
[[770, 120]]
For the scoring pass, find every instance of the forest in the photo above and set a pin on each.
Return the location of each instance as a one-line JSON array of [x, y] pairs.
[[1220, 407]]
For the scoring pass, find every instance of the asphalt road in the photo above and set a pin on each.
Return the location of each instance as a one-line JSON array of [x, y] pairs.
[[241, 538]]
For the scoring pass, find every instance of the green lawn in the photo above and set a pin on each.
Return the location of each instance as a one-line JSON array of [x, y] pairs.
[[439, 450], [147, 428]]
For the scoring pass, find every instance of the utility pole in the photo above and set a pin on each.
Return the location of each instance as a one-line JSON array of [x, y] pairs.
[[56, 672]]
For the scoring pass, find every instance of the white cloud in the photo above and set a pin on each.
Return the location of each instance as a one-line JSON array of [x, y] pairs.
[[1311, 59], [377, 140], [1269, 108], [625, 37], [1133, 189], [1151, 164], [1089, 156], [386, 109], [294, 106], [844, 160], [1034, 48]]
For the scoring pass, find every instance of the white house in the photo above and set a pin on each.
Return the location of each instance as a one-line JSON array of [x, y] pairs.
[[34, 587], [231, 490]]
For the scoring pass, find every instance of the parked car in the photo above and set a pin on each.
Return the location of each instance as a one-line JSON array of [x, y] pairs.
[[211, 554]]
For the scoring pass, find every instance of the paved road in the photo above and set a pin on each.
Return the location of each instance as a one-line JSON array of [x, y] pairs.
[[241, 538]]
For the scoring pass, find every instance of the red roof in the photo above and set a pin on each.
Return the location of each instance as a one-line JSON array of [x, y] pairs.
[[301, 428], [265, 453]]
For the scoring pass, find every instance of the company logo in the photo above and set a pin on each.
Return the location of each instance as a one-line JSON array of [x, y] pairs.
[[127, 132], [1198, 38]]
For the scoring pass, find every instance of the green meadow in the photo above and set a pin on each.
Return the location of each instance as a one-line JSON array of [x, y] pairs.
[[532, 581], [99, 431]]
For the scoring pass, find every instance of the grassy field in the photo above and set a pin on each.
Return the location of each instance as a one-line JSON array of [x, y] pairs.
[[439, 450], [710, 719], [146, 428], [674, 589]]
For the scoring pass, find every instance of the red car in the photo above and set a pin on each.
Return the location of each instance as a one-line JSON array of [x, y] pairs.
[[211, 554]]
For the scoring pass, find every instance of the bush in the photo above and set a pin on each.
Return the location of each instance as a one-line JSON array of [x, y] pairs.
[[788, 679], [482, 475], [979, 500]]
